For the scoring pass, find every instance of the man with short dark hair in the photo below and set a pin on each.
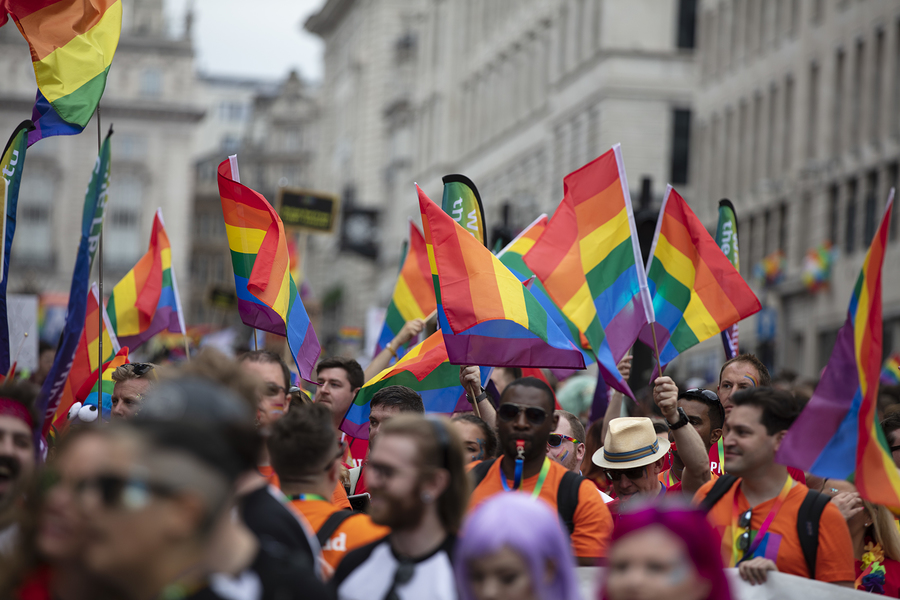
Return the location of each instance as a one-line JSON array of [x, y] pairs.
[[419, 488], [757, 506], [132, 381], [339, 380], [306, 454], [891, 427], [566, 443], [525, 420]]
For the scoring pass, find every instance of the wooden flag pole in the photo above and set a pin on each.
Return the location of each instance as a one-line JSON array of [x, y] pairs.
[[187, 350], [236, 176], [100, 299], [656, 349]]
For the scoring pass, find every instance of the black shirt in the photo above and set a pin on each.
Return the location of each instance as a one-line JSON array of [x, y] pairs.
[[271, 521]]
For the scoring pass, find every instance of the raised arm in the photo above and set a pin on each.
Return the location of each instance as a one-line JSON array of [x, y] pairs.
[[691, 450], [410, 329]]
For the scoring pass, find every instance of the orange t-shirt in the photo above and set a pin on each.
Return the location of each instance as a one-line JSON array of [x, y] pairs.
[[834, 559], [338, 497], [593, 521], [357, 530]]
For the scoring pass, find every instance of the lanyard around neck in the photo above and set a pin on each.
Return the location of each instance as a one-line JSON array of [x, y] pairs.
[[545, 468], [736, 557], [308, 497]]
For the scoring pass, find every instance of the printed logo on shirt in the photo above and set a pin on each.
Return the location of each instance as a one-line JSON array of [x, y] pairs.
[[337, 543]]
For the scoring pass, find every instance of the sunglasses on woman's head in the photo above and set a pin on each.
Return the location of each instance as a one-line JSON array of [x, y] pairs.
[[556, 439], [698, 392], [510, 412]]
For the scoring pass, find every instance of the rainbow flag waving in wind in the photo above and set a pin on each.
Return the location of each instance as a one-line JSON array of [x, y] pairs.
[[838, 432], [72, 46], [413, 296], [589, 260], [267, 296], [890, 372], [487, 316], [697, 292], [146, 301], [426, 369]]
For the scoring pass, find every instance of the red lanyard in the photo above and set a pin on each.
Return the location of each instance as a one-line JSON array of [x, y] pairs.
[[735, 516]]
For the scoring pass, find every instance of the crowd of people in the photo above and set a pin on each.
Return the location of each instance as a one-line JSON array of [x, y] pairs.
[[219, 479]]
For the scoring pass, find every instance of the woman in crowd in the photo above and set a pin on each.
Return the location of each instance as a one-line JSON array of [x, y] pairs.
[[479, 439], [514, 548], [664, 552]]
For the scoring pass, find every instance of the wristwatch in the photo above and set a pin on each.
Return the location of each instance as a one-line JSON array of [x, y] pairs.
[[682, 420], [477, 398]]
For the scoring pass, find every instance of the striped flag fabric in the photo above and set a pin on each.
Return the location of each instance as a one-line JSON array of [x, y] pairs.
[[890, 372], [589, 260], [727, 239], [512, 258], [426, 369], [487, 316], [87, 394], [697, 293], [87, 355], [72, 46], [838, 434], [146, 302], [413, 296], [268, 298]]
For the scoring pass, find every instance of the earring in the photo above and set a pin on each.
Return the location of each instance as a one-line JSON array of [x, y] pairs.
[[426, 498]]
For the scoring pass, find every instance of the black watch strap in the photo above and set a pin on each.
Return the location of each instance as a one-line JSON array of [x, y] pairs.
[[682, 420]]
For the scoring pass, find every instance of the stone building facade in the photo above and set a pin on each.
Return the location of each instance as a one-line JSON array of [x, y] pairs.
[[797, 121]]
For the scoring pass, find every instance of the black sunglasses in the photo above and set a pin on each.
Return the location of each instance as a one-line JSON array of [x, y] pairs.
[[273, 389], [510, 412], [556, 439], [140, 369], [633, 473], [402, 576], [743, 542], [128, 492]]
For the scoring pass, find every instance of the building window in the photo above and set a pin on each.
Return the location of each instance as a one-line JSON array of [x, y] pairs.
[[856, 108], [818, 11], [834, 198], [812, 112], [788, 124], [875, 120], [123, 243], [871, 207], [895, 114], [681, 145], [837, 137], [34, 221], [151, 83], [782, 226], [687, 19], [850, 232], [892, 174], [129, 146]]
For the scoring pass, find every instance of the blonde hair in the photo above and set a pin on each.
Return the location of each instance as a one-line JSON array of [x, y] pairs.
[[884, 529], [440, 447]]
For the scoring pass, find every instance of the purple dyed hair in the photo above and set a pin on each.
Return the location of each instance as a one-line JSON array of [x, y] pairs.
[[692, 528], [530, 528]]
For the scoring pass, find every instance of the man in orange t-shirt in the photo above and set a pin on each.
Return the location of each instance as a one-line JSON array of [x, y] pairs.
[[306, 454], [525, 420], [757, 516]]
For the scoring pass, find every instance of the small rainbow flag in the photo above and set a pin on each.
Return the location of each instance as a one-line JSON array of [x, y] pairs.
[[267, 296], [838, 433], [697, 293], [890, 372], [425, 369], [487, 316], [87, 355], [770, 270], [589, 260], [817, 267], [72, 47], [413, 296], [146, 300]]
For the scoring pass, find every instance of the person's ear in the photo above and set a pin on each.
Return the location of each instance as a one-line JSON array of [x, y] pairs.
[[779, 437], [715, 435], [435, 485], [579, 452]]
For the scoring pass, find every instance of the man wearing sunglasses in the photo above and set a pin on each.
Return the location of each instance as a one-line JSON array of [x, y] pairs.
[[525, 420], [773, 522], [132, 381], [566, 444]]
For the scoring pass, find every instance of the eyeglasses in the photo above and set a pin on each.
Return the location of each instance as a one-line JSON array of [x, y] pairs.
[[633, 473], [131, 493], [402, 576], [743, 542], [510, 412], [272, 389], [556, 439], [697, 392]]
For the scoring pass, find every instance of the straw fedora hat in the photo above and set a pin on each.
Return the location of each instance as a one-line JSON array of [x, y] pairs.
[[630, 442]]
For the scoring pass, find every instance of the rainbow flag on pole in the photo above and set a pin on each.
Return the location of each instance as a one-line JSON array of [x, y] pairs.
[[426, 369], [890, 372], [72, 47], [87, 356], [487, 316], [697, 292], [413, 296], [146, 300], [838, 433], [589, 260], [267, 296]]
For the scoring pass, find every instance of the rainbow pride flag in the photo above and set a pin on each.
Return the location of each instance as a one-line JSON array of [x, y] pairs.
[[512, 258], [426, 369], [890, 371], [589, 260], [72, 47], [267, 296], [413, 296], [87, 355], [838, 433], [487, 316], [697, 293], [146, 300]]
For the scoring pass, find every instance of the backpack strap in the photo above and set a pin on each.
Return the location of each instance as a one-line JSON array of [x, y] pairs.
[[719, 489], [331, 524], [808, 527], [567, 498], [480, 471]]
